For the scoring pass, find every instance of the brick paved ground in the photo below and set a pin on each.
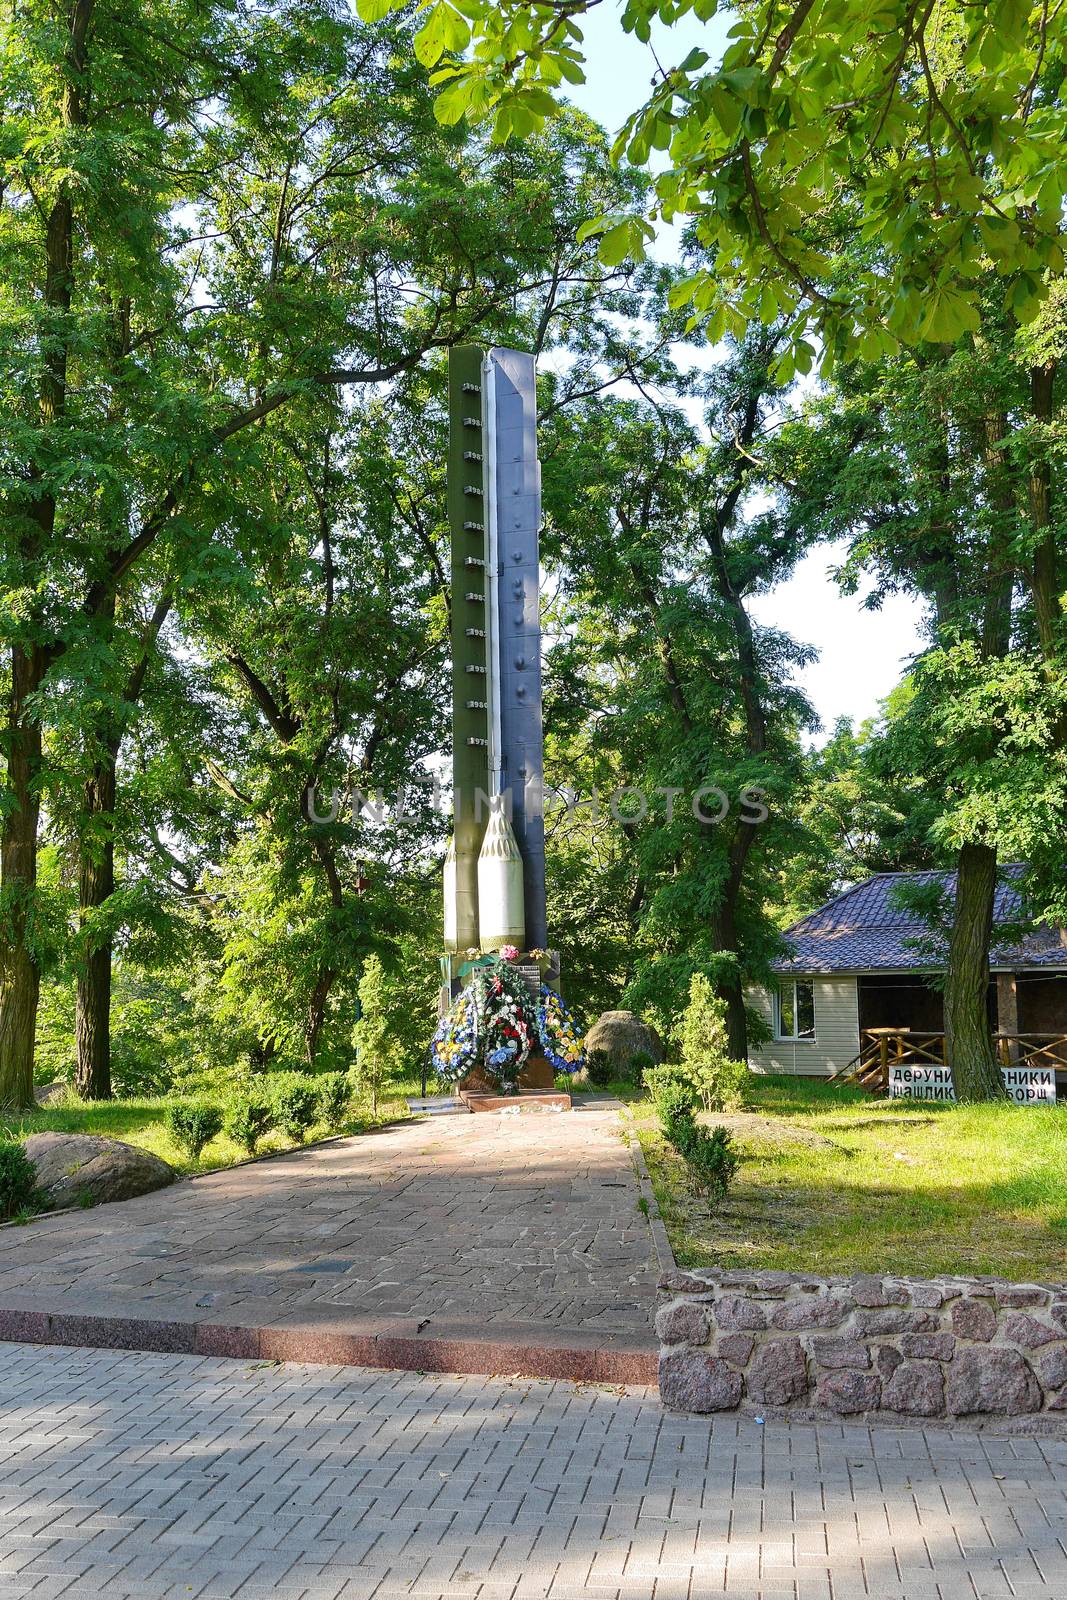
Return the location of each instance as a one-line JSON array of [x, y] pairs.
[[149, 1476], [520, 1229]]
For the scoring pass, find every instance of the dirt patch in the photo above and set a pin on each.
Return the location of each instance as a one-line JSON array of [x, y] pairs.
[[748, 1127]]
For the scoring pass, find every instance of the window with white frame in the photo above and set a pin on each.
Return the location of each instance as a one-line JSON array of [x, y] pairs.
[[794, 1009]]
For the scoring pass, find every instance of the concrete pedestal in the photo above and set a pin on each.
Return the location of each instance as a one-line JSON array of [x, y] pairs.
[[524, 1101]]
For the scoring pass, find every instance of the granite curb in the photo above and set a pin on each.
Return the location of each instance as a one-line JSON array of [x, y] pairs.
[[525, 1352]]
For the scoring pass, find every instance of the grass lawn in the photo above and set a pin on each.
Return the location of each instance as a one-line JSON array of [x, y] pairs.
[[140, 1122], [841, 1182]]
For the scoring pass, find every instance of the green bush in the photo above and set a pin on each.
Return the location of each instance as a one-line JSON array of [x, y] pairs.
[[334, 1091], [672, 1085], [296, 1105], [18, 1178], [192, 1124], [719, 1081], [247, 1120], [375, 1038], [600, 1069], [710, 1156], [640, 1062]]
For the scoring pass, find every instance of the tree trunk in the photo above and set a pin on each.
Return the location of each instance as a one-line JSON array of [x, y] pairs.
[[20, 977], [316, 1013], [968, 1043], [744, 833], [96, 884]]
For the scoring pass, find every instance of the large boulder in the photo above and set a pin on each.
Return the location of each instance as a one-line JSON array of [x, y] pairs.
[[622, 1036], [75, 1167]]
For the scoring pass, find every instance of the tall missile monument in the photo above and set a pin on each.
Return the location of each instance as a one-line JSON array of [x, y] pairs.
[[495, 867]]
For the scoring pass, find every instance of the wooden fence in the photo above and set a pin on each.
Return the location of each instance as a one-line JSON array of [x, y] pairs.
[[881, 1048]]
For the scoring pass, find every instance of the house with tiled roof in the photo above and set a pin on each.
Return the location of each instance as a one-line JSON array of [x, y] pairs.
[[864, 964]]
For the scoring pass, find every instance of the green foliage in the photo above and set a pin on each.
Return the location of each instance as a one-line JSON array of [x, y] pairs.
[[247, 1120], [192, 1124], [719, 1081], [294, 1104], [378, 1052], [639, 1063], [18, 1178], [944, 158], [334, 1093], [710, 1156], [600, 1068], [671, 1087]]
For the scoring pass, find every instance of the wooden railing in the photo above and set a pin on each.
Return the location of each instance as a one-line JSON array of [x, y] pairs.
[[881, 1048]]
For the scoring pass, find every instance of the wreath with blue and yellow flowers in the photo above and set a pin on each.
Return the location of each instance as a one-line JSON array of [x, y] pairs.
[[495, 1023]]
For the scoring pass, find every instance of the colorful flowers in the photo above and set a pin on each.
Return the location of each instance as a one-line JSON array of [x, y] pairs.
[[560, 1038], [509, 952], [492, 1024], [496, 1022]]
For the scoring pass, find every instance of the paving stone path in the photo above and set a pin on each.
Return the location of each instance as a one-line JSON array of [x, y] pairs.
[[150, 1476], [519, 1229]]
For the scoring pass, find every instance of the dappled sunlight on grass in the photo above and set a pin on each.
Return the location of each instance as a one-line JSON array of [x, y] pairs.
[[140, 1122], [913, 1188]]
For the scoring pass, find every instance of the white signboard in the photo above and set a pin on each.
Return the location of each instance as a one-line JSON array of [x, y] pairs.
[[1027, 1086], [1030, 1086], [920, 1083]]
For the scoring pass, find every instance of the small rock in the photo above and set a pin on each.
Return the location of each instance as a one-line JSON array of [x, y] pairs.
[[779, 1373], [928, 1346], [683, 1323], [916, 1389], [813, 1311], [677, 1282], [831, 1352], [897, 1321], [868, 1291], [774, 1284], [974, 1319], [1021, 1294], [737, 1311], [73, 1166], [736, 1348], [1028, 1331], [1058, 1402], [992, 1380], [693, 1380], [888, 1359], [848, 1392], [927, 1294], [1053, 1367]]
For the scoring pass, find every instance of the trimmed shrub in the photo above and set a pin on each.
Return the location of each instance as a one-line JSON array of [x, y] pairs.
[[599, 1068], [670, 1085], [18, 1179], [710, 1156], [296, 1106], [640, 1062], [334, 1090], [720, 1082], [247, 1120], [192, 1124]]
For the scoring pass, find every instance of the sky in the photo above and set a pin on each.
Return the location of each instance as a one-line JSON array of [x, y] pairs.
[[861, 653]]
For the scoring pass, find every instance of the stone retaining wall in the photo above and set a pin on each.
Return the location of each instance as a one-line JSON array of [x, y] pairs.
[[955, 1347]]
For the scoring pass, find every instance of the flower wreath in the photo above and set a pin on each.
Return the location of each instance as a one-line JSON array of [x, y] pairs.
[[494, 1024], [560, 1038]]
